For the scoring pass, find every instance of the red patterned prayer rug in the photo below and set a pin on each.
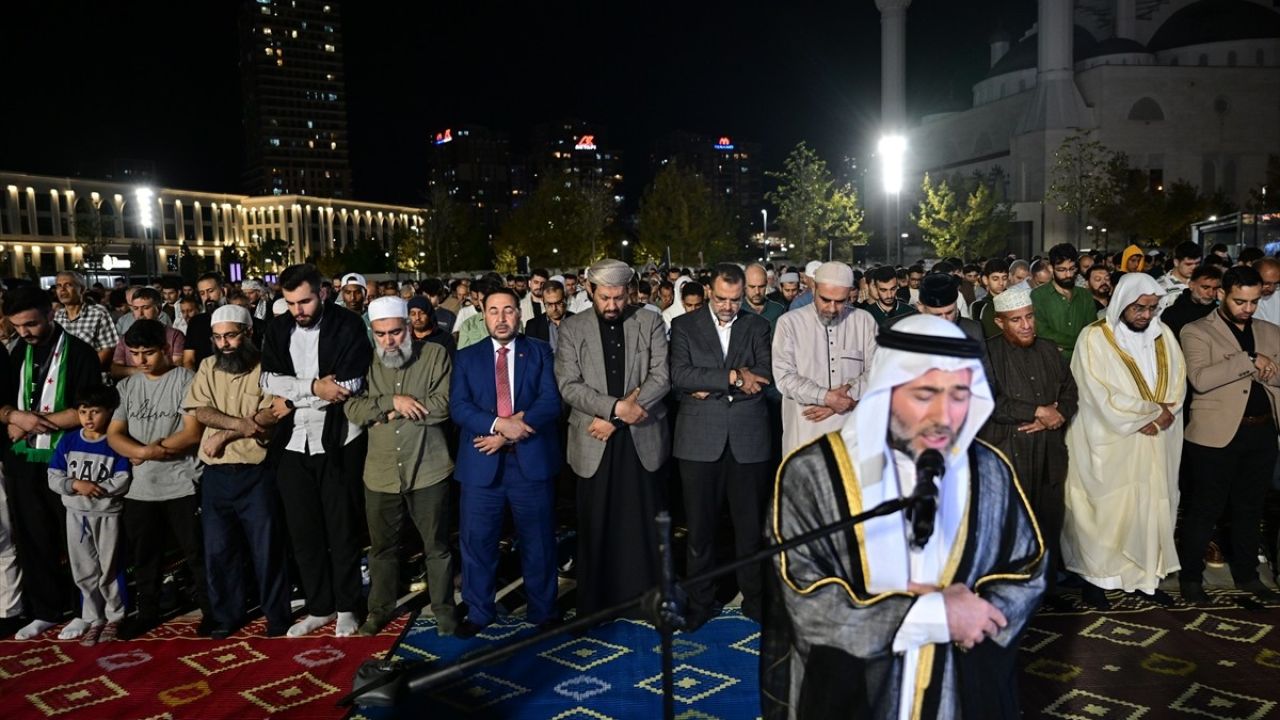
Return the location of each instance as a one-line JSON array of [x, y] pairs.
[[172, 673]]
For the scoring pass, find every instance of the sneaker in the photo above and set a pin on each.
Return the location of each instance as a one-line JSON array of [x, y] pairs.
[[1213, 556]]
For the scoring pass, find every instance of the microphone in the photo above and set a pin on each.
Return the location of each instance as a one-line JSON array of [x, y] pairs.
[[929, 467]]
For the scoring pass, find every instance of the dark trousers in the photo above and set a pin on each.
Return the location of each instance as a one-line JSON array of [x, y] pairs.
[[240, 515], [322, 517], [706, 486], [144, 525], [40, 537], [480, 529], [1234, 478], [428, 510]]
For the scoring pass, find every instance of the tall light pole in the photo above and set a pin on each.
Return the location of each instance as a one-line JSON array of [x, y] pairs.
[[764, 213], [144, 196], [892, 149]]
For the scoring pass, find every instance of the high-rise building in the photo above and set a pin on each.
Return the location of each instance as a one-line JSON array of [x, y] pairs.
[[295, 112], [472, 164], [731, 168], [576, 151]]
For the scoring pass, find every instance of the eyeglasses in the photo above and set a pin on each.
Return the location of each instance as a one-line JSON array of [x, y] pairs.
[[228, 336]]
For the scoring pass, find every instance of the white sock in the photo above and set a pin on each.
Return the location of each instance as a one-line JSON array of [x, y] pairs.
[[73, 630], [33, 629], [346, 626], [309, 624]]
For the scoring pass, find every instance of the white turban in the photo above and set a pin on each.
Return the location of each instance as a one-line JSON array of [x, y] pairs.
[[1138, 345], [610, 273], [230, 313], [388, 307], [891, 367]]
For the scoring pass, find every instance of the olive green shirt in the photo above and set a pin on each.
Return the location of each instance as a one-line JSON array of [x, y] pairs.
[[405, 455], [1060, 320]]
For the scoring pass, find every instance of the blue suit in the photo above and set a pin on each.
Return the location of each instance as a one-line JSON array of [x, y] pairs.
[[521, 476]]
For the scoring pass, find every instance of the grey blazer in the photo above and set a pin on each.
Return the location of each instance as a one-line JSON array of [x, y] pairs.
[[728, 414], [584, 387]]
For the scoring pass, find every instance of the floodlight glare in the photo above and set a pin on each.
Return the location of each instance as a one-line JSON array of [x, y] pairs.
[[892, 148], [144, 196]]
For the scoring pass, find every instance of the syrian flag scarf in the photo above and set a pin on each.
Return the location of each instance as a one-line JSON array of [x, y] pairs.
[[52, 387]]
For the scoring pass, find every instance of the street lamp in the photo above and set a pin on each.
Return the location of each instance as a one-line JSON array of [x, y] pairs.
[[764, 212], [892, 149], [144, 196]]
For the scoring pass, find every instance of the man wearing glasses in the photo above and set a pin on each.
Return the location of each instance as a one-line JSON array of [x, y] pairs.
[[720, 365], [555, 309]]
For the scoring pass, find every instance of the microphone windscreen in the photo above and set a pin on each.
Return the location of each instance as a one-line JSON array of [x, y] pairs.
[[931, 463]]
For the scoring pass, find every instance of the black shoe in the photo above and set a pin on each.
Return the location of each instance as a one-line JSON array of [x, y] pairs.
[[1193, 592], [1257, 589], [1059, 603], [1158, 597], [207, 627], [277, 630], [467, 630], [221, 633], [1095, 597], [137, 626], [694, 619]]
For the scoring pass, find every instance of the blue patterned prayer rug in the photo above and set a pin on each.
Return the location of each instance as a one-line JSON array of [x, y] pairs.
[[615, 671]]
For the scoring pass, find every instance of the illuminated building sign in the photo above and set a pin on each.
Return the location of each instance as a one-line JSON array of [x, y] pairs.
[[724, 143], [444, 137], [586, 142]]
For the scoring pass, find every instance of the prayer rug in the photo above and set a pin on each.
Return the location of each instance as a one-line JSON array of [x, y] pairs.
[[172, 673], [614, 671]]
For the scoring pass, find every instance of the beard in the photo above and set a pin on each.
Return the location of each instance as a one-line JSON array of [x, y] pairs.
[[900, 436], [392, 359], [1017, 341], [1133, 324], [239, 360]]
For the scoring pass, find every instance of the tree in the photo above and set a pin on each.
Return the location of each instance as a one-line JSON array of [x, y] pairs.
[[562, 223], [1079, 181], [138, 258], [188, 265], [680, 212], [266, 255], [963, 217], [813, 211], [89, 237], [1161, 215], [452, 237]]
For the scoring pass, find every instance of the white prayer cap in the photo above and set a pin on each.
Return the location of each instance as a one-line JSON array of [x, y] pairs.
[[789, 278], [908, 349], [253, 285], [1015, 298], [354, 279], [812, 267], [833, 273], [610, 273], [231, 314], [388, 307], [279, 307], [556, 278]]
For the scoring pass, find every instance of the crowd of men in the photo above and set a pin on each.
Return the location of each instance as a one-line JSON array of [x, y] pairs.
[[1120, 409]]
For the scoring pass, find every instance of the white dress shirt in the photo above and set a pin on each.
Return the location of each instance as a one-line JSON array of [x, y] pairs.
[[724, 330], [309, 410]]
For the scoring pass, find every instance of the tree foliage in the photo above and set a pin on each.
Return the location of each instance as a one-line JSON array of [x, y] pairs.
[[562, 223], [815, 213], [452, 236], [89, 237], [1134, 211], [679, 211], [1079, 181], [266, 255], [961, 217]]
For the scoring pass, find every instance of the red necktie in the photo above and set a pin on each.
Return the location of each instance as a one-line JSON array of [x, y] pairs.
[[504, 385]]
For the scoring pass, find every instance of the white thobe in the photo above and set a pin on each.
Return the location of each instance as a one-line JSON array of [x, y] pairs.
[[810, 358]]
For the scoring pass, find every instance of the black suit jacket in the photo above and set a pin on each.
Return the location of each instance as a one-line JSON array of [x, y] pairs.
[[538, 327], [727, 414]]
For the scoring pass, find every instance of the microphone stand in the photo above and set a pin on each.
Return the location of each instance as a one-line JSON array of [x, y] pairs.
[[664, 604]]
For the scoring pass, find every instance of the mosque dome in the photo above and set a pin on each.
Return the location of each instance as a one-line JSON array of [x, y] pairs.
[[1213, 21], [1115, 46], [1023, 55]]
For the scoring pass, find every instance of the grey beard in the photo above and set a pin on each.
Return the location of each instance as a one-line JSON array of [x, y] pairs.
[[392, 359], [829, 322], [239, 361]]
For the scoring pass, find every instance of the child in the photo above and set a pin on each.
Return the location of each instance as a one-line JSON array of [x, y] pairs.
[[92, 479], [159, 439]]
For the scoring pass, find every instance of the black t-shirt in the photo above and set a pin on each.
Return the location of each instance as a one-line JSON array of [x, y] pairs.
[[1258, 404], [83, 372]]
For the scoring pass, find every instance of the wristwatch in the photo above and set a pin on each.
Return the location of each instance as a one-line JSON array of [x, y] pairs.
[[738, 381]]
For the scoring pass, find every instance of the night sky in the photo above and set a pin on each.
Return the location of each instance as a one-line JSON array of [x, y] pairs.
[[159, 81]]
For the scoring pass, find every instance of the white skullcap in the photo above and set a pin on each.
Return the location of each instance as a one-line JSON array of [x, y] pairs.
[[1014, 298], [789, 278], [388, 307], [556, 278], [231, 314], [254, 285], [833, 273], [610, 273], [812, 267], [279, 307]]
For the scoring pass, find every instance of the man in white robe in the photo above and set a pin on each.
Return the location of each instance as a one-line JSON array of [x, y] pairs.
[[1125, 447], [881, 628], [821, 353]]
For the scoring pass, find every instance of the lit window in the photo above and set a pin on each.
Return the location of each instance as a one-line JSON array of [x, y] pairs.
[[311, 143], [266, 31], [268, 51], [279, 62], [328, 76], [275, 142], [329, 48], [311, 124], [326, 8], [333, 146], [293, 33]]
